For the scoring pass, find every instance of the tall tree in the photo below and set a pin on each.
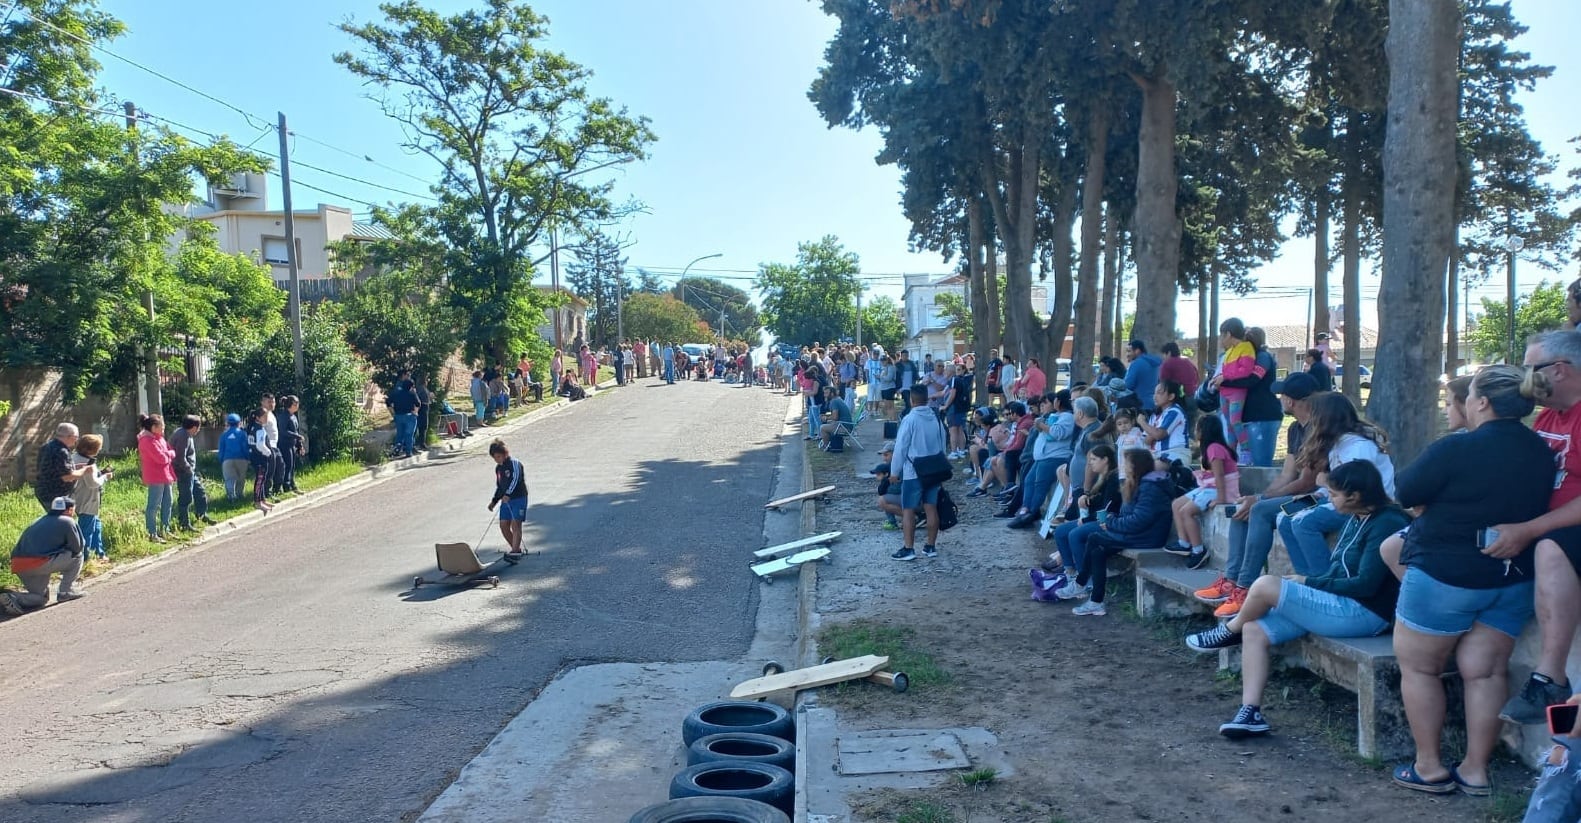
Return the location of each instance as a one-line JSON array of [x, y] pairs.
[[813, 299], [661, 317], [883, 324], [727, 309], [1542, 310], [598, 275], [515, 134]]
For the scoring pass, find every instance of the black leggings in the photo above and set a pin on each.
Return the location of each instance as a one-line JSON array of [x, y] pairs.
[[1094, 570], [260, 481]]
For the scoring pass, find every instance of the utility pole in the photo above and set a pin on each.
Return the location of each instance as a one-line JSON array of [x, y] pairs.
[[859, 316], [294, 286], [620, 310], [1513, 245], [149, 401], [554, 280]]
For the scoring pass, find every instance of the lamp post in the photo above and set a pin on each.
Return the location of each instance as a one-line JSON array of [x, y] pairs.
[[681, 280], [1513, 245]]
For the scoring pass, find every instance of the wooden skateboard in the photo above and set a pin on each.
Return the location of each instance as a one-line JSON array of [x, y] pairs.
[[463, 568], [788, 548], [820, 494], [766, 571], [776, 680]]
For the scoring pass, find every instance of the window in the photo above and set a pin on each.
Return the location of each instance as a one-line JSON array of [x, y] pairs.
[[274, 251]]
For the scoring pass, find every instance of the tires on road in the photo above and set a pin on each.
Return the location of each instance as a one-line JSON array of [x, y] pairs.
[[747, 781], [737, 716], [710, 810], [743, 747]]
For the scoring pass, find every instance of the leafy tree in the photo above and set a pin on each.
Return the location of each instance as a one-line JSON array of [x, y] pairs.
[[1542, 310], [515, 134], [814, 298], [649, 283], [249, 363], [399, 323], [598, 275], [883, 323], [661, 318], [211, 292], [714, 300]]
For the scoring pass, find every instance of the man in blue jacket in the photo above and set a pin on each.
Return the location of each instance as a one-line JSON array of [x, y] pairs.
[[1141, 377]]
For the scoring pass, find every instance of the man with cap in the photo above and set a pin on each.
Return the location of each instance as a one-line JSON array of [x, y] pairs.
[[888, 489], [1256, 516], [57, 475], [49, 545]]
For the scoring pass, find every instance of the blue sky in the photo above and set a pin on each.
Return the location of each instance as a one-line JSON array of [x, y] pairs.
[[743, 166]]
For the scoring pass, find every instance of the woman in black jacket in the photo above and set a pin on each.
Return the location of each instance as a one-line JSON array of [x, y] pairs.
[[1143, 523], [1261, 415]]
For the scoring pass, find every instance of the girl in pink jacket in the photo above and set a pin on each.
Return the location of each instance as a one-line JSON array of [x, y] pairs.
[[1240, 361], [157, 459]]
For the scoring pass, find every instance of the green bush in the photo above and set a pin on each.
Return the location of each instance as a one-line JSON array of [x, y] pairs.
[[247, 365], [180, 399]]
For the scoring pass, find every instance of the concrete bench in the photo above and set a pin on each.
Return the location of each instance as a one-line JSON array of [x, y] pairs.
[[1364, 666]]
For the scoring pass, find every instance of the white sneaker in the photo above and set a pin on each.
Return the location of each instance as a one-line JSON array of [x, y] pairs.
[[1071, 591], [1090, 609]]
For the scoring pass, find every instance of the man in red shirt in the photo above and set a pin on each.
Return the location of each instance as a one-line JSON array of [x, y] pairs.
[[1555, 361], [1177, 369]]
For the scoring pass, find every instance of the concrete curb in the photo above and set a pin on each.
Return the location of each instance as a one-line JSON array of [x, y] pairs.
[[806, 646]]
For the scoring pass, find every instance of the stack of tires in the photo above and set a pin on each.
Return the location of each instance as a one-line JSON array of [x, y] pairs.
[[740, 761]]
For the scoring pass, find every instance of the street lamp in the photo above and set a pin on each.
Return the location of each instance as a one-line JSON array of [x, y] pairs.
[[1513, 245], [682, 279]]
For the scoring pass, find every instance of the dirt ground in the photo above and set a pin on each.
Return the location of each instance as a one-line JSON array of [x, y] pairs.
[[1103, 718]]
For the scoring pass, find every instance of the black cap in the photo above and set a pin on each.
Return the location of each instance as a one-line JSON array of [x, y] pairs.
[[1299, 386]]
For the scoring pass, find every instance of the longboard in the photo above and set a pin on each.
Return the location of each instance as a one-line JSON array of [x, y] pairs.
[[787, 548], [766, 571], [1056, 504], [868, 667], [822, 493]]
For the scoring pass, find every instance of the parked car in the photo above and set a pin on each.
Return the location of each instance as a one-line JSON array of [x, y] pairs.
[[1366, 375], [697, 350]]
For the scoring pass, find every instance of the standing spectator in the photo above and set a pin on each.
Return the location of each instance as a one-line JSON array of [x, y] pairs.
[[1261, 416], [156, 458], [1141, 377], [260, 458], [639, 356], [848, 381], [403, 405], [886, 388], [618, 360], [1455, 598], [991, 380], [1033, 382], [478, 391], [291, 440], [1326, 349], [89, 494], [234, 451], [425, 401], [905, 378], [669, 363], [276, 462], [874, 368], [191, 497], [1007, 375], [1319, 370], [1179, 369], [589, 365], [56, 476], [938, 386], [49, 545], [958, 403], [920, 435], [556, 365]]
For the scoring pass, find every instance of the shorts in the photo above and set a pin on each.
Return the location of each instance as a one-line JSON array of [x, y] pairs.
[[912, 495], [996, 390], [1569, 541], [1430, 606], [957, 419], [891, 499], [887, 394], [513, 509], [1202, 496], [1303, 610]]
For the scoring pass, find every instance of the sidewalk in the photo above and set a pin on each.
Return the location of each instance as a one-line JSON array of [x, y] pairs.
[[1081, 718]]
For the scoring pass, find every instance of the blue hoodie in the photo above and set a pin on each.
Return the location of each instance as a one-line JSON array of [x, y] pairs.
[[1141, 377], [233, 444], [1144, 520]]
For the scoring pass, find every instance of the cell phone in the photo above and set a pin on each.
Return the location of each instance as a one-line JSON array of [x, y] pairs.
[[1562, 718], [1230, 509], [1487, 537]]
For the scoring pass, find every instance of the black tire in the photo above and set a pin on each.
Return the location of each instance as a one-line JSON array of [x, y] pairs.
[[747, 781], [773, 667], [737, 716], [710, 810], [742, 747], [902, 683]]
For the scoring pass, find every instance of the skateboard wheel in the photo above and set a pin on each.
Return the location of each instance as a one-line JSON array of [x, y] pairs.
[[494, 582], [902, 683], [827, 660], [417, 582], [772, 667]]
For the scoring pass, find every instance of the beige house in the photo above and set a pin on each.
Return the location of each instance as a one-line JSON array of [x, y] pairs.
[[244, 226], [571, 320]]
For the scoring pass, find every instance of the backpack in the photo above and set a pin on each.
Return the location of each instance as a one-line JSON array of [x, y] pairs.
[[1181, 479], [949, 515]]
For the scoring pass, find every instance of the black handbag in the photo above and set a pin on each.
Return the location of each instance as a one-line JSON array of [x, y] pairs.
[[932, 470]]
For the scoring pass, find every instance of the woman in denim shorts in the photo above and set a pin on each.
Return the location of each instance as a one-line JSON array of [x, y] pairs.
[[1354, 597], [1455, 599]]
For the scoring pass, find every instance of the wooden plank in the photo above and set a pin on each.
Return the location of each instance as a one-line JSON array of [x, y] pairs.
[[839, 671], [786, 548], [784, 501]]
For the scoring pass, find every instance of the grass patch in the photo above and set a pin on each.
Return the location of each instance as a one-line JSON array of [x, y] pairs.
[[863, 637], [125, 538], [1506, 806], [923, 811], [979, 778]]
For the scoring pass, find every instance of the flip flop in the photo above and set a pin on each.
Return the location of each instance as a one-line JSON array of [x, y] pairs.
[[1405, 776], [1468, 789]]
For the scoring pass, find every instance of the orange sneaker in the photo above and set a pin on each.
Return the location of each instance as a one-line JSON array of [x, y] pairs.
[[1232, 606], [1217, 593]]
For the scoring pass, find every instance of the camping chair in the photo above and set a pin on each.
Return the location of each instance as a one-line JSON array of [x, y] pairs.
[[844, 431]]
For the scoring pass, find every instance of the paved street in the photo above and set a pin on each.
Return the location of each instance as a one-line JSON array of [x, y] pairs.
[[287, 673]]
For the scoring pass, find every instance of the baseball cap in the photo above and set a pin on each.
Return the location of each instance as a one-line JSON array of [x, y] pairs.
[[887, 448], [61, 504], [1117, 385], [1299, 386], [233, 417], [882, 468]]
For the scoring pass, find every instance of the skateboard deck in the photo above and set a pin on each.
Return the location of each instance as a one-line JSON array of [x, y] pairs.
[[788, 548], [785, 501], [766, 571], [839, 671], [1055, 506]]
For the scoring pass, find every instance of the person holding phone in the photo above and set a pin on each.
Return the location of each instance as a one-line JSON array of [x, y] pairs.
[[1354, 597]]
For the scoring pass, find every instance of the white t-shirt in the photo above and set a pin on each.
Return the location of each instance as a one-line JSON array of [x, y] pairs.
[[1173, 421], [1007, 375], [1355, 447]]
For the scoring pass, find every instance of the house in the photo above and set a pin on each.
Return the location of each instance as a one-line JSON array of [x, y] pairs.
[[927, 329], [243, 225], [565, 323]]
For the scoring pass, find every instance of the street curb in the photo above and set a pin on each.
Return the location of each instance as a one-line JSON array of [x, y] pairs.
[[806, 646]]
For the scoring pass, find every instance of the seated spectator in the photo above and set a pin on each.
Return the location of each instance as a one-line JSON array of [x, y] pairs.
[[837, 420], [1075, 475], [1252, 525], [1127, 434], [1455, 598], [451, 421], [570, 388], [49, 545], [1142, 523], [1053, 439], [888, 490], [987, 436], [1092, 510], [1218, 484], [1167, 427], [1354, 597], [1003, 468]]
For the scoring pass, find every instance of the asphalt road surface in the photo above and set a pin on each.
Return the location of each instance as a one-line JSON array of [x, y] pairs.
[[288, 673]]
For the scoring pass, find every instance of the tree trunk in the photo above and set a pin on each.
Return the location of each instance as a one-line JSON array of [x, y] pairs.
[[1111, 284], [996, 309], [1320, 266], [1157, 227], [1086, 310], [1452, 307], [982, 319], [1204, 308], [1213, 324], [1064, 285], [1350, 250], [1418, 217], [1015, 215]]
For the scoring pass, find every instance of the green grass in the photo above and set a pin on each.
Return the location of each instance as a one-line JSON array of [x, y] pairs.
[[122, 511], [979, 778], [924, 811], [862, 637]]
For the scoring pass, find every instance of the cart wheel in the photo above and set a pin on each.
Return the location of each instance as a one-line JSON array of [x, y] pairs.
[[417, 582], [827, 660], [902, 683], [767, 580], [494, 582], [772, 667]]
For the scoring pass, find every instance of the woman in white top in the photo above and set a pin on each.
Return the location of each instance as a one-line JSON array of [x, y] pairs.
[[1335, 435], [1167, 428]]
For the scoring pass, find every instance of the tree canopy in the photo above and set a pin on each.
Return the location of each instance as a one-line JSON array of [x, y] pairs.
[[813, 299], [727, 310], [662, 318]]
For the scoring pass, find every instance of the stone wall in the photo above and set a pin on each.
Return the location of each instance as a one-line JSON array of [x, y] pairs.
[[36, 409]]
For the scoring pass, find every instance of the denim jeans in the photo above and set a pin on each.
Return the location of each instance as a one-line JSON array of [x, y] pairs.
[[669, 371], [813, 423], [1251, 541], [1264, 438], [1557, 798], [189, 491], [1040, 478], [405, 432], [1305, 535], [1071, 540], [1303, 610], [158, 500], [92, 529]]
